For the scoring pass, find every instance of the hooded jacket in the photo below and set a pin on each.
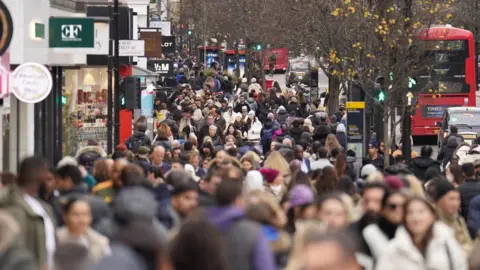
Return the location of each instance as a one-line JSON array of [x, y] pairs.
[[282, 115], [87, 155], [419, 166], [251, 250], [442, 253], [12, 255], [138, 136], [33, 227], [296, 131]]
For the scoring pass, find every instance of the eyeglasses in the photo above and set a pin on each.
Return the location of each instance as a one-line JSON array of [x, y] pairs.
[[393, 206]]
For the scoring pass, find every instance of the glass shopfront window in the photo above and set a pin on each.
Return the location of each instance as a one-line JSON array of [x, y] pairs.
[[84, 99]]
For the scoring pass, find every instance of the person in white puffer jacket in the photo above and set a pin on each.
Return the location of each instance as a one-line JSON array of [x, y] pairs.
[[254, 127], [423, 243]]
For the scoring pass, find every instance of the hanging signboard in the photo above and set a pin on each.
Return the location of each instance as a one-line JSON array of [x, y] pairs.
[[132, 47], [153, 43], [168, 44], [71, 32], [32, 82], [356, 126], [161, 67]]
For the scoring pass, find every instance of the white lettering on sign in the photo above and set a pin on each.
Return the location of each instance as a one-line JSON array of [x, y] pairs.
[[167, 44], [132, 47], [161, 68]]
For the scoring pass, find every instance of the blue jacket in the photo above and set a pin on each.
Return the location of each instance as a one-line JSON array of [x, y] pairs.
[[260, 257], [473, 221]]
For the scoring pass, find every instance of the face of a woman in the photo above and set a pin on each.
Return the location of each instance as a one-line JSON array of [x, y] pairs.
[[393, 211], [247, 166], [333, 214], [79, 218], [419, 218], [231, 129]]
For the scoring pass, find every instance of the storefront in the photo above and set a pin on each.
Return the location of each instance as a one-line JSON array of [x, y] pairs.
[[84, 99]]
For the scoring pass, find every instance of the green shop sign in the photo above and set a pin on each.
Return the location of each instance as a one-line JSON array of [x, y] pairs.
[[71, 32]]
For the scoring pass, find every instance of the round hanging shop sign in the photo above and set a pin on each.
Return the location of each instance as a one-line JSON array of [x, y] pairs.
[[6, 28], [32, 82]]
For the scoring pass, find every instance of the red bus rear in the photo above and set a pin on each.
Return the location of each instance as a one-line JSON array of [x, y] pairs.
[[451, 80], [281, 55]]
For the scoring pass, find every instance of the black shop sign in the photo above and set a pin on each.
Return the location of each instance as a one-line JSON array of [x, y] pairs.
[[161, 67], [168, 44]]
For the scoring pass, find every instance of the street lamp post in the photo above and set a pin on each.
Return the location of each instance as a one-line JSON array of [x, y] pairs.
[[116, 30]]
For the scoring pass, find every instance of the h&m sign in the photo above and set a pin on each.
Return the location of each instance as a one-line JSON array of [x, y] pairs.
[[161, 67]]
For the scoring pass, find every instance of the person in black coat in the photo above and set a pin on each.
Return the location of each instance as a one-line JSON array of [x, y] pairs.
[[419, 165], [469, 189], [447, 151], [340, 134], [297, 130]]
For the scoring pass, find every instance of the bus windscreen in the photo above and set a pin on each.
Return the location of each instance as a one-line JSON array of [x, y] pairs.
[[445, 68]]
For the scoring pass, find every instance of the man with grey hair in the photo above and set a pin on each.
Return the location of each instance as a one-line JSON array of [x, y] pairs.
[[157, 157]]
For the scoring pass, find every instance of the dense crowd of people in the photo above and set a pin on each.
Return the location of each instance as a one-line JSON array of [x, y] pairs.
[[261, 180]]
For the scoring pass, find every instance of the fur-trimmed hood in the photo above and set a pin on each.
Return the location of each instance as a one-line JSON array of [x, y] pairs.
[[91, 148]]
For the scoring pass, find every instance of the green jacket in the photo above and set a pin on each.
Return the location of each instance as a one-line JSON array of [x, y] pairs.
[[31, 225]]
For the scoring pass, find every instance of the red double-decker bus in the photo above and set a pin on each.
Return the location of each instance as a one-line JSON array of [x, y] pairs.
[[449, 82]]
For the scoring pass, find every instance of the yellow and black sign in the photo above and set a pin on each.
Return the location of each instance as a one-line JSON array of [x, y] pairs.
[[6, 28]]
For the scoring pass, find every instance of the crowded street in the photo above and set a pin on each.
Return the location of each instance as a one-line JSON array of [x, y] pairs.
[[239, 135]]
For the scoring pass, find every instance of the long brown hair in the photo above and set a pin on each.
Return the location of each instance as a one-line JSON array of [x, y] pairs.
[[422, 246], [328, 181], [331, 143], [341, 164]]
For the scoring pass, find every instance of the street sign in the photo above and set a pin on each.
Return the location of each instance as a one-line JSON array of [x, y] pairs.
[[356, 127], [132, 47], [71, 32], [6, 28]]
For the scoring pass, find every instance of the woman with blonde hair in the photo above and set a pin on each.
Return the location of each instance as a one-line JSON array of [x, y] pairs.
[[275, 160], [253, 156], [331, 143]]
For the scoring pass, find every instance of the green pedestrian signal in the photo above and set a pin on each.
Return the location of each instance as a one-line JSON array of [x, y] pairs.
[[189, 32], [412, 83], [64, 100], [122, 101], [381, 96], [258, 47]]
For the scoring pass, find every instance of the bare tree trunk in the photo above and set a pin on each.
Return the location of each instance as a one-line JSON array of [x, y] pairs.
[[237, 60], [249, 60], [262, 69], [333, 94]]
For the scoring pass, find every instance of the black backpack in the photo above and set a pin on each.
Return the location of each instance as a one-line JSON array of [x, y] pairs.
[[135, 143]]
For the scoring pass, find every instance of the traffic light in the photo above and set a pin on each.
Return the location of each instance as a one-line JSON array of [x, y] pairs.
[[131, 96], [190, 32], [412, 83], [64, 100], [258, 47], [380, 87], [381, 95]]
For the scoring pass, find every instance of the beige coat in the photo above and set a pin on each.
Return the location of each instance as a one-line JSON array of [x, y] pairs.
[[97, 243]]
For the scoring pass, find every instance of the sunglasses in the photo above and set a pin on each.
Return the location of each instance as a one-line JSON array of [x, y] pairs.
[[393, 206]]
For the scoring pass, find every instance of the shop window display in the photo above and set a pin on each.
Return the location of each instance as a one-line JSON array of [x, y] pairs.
[[85, 108]]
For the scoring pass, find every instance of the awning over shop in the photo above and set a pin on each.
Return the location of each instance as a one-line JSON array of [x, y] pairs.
[[141, 72]]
